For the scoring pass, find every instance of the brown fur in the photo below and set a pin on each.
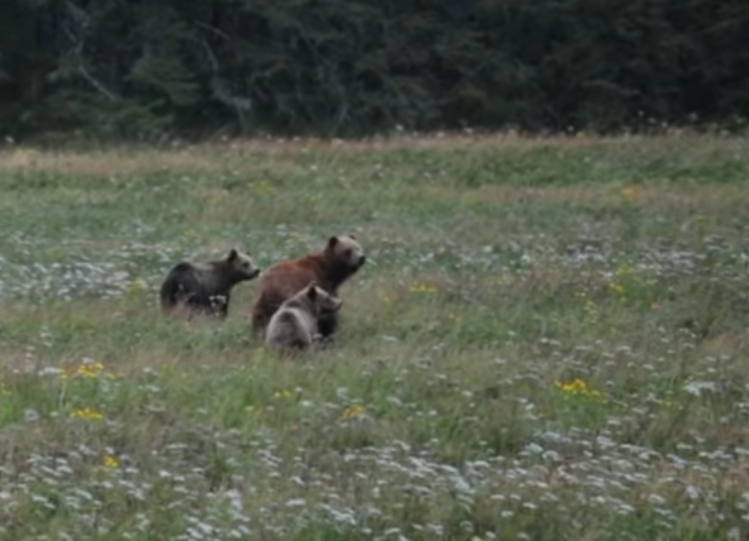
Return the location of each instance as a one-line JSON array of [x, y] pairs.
[[328, 268]]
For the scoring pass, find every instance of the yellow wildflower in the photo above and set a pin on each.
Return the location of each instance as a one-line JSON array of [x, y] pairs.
[[286, 393], [625, 270], [573, 386], [139, 284], [111, 461], [617, 288], [628, 193], [578, 387], [353, 412], [252, 410], [89, 370], [88, 414], [423, 288]]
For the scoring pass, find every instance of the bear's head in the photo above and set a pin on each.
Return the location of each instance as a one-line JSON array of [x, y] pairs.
[[320, 301], [241, 266], [343, 256]]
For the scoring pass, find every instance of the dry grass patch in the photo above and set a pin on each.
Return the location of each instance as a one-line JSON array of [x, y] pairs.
[[202, 159], [703, 198], [452, 140], [281, 154]]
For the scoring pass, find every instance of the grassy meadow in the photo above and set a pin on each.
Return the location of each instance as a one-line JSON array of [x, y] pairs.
[[551, 341]]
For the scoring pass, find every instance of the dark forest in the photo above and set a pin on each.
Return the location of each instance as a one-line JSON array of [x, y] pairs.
[[144, 69]]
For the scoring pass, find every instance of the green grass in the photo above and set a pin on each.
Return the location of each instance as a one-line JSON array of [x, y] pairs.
[[502, 269]]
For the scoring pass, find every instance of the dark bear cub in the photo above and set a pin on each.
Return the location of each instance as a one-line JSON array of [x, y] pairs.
[[205, 288]]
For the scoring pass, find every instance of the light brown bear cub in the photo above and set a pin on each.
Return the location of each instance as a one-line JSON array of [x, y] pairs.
[[295, 324], [329, 268], [205, 288]]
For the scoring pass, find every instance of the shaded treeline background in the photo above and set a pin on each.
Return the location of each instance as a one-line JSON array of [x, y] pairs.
[[350, 67]]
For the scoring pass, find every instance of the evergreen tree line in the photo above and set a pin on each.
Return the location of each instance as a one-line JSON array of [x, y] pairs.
[[141, 68]]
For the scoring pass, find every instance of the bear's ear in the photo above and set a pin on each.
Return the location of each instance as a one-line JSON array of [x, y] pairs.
[[232, 255], [332, 241], [312, 291]]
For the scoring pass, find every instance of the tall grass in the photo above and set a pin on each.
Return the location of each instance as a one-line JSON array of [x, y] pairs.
[[549, 343]]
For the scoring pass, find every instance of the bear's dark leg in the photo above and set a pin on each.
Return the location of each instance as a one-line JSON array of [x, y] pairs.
[[218, 306], [223, 309], [327, 326]]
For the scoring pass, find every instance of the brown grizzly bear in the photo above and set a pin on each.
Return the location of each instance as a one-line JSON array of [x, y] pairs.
[[296, 323], [206, 287], [328, 268]]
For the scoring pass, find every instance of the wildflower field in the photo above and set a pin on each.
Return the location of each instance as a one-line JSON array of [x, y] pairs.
[[550, 340]]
